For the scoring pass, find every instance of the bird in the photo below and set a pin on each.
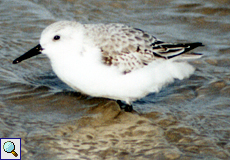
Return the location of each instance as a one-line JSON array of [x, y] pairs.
[[113, 60]]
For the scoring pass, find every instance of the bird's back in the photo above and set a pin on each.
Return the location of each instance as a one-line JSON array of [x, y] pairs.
[[131, 48]]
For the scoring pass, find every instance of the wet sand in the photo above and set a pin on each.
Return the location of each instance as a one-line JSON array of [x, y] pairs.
[[105, 131]]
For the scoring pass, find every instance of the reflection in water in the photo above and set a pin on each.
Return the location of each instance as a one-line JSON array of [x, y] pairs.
[[187, 119]]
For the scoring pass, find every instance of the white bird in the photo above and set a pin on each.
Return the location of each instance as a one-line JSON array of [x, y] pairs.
[[112, 60]]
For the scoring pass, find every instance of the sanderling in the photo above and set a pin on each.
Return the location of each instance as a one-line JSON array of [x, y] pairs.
[[113, 60]]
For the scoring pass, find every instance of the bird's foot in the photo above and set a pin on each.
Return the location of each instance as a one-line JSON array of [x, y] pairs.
[[126, 107]]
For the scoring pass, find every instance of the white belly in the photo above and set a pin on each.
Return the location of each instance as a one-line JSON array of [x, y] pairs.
[[90, 76]]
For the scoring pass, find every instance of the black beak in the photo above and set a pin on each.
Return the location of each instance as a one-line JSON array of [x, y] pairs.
[[33, 52]]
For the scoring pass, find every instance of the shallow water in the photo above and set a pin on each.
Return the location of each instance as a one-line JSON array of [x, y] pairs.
[[188, 119]]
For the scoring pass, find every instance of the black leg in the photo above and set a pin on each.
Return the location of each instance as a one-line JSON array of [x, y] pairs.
[[126, 107]]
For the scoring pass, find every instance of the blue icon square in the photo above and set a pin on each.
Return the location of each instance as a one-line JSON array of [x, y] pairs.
[[10, 148]]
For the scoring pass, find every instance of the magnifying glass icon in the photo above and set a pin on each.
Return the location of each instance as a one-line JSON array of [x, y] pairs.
[[9, 147]]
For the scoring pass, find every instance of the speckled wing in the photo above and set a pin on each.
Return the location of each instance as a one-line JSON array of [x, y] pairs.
[[131, 48]]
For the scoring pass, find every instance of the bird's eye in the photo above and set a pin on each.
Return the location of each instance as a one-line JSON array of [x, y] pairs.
[[57, 37]]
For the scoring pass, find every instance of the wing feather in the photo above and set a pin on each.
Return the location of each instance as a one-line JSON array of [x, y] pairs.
[[131, 48]]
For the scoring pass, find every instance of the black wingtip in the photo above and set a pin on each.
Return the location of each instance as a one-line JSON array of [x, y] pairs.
[[198, 44], [191, 46], [174, 49]]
